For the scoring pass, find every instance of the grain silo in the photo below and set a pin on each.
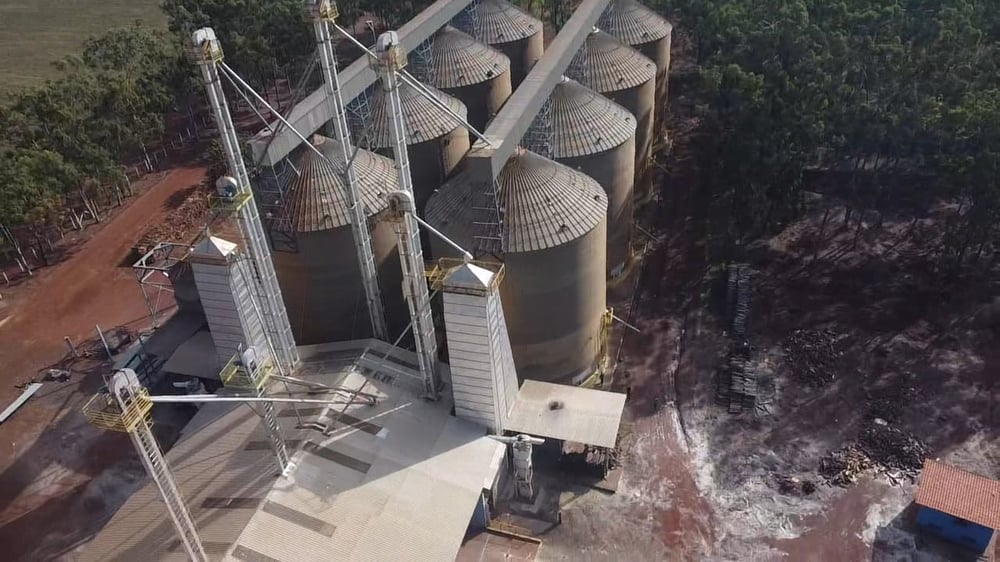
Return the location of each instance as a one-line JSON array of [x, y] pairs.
[[475, 73], [643, 29], [596, 136], [628, 78], [321, 281], [511, 30], [555, 238], [437, 143]]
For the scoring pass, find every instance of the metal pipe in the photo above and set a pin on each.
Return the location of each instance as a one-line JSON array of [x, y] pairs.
[[265, 281], [231, 72], [249, 103], [312, 111], [627, 325], [321, 386], [423, 89], [465, 254], [411, 255], [104, 341], [359, 223], [420, 87], [189, 398]]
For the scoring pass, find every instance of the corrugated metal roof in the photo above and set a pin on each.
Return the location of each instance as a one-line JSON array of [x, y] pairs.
[[317, 200], [570, 413], [459, 60], [406, 492], [960, 493], [503, 22], [422, 120], [545, 204], [633, 23], [613, 65], [585, 122], [195, 357]]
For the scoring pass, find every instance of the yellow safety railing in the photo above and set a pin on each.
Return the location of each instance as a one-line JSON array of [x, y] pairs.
[[512, 531], [236, 375], [437, 272], [229, 204], [103, 411]]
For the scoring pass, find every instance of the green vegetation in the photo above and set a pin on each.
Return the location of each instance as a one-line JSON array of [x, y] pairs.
[[33, 34], [61, 144], [884, 91]]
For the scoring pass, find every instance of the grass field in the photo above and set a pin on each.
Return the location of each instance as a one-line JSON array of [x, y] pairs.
[[33, 33]]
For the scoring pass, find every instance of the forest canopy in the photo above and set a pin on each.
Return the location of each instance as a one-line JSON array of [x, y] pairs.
[[888, 91]]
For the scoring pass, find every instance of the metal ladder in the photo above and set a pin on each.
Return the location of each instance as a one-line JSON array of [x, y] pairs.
[[273, 430], [156, 466], [578, 69], [468, 20], [538, 137], [423, 61], [490, 230]]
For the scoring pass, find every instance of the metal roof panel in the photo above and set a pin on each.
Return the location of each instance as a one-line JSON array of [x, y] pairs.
[[545, 204], [585, 122], [612, 65], [422, 120], [459, 60], [503, 22], [633, 23], [316, 196]]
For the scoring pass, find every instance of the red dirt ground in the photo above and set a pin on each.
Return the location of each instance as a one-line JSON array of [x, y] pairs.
[[53, 465]]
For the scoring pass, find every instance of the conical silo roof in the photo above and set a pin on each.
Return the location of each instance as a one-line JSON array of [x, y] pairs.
[[585, 122], [612, 65], [545, 204], [503, 22], [421, 118], [316, 197], [459, 60], [633, 23]]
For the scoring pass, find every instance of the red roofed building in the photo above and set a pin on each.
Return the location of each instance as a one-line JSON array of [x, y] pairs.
[[957, 505]]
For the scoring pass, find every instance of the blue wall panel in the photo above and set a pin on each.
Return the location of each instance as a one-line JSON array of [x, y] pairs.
[[970, 535]]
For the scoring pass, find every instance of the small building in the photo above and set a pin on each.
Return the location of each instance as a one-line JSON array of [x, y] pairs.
[[958, 506]]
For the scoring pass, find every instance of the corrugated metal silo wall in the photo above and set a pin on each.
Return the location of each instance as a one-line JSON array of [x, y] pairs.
[[615, 171], [321, 285], [641, 102], [523, 55], [431, 162], [485, 99], [659, 51], [553, 300]]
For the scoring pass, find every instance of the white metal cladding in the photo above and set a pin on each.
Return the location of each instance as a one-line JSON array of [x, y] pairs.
[[503, 358], [220, 275], [570, 413], [470, 357], [484, 381], [422, 473]]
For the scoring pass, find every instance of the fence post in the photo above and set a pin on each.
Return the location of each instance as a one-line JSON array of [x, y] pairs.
[[104, 341], [72, 348]]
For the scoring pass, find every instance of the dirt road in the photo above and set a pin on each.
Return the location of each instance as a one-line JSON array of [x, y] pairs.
[[59, 477]]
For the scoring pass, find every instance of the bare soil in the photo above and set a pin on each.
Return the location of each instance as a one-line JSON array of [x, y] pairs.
[[60, 478], [917, 349]]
